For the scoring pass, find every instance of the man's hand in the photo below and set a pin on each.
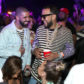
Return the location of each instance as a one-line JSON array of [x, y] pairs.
[[38, 52], [27, 67], [52, 56], [22, 50]]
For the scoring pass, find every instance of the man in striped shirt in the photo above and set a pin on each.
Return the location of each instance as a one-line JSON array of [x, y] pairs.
[[50, 36]]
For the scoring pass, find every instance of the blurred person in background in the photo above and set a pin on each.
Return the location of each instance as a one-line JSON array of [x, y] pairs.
[[32, 28], [76, 74], [6, 19], [12, 71], [63, 20], [2, 24], [80, 29], [50, 72]]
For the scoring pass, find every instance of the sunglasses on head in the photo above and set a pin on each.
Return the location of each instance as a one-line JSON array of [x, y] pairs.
[[44, 16]]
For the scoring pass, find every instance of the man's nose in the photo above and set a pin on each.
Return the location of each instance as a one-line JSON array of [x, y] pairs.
[[27, 19]]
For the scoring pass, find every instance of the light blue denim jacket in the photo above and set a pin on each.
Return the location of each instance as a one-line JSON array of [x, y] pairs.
[[10, 43]]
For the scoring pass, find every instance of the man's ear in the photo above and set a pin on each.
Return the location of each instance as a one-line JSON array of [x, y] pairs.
[[17, 18]]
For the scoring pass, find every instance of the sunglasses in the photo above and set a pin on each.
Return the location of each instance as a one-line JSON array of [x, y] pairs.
[[44, 16]]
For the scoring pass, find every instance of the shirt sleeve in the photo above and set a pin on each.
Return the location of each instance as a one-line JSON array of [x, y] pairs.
[[4, 51], [69, 49]]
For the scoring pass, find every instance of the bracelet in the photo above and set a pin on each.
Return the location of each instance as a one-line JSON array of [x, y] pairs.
[[61, 54]]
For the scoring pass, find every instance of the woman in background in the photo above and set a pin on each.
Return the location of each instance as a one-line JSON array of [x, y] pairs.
[[11, 71], [50, 72]]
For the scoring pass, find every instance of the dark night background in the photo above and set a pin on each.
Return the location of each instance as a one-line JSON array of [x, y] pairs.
[[36, 5]]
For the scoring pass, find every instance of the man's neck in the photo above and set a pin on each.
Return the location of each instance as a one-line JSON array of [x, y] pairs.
[[62, 23], [18, 26], [53, 26]]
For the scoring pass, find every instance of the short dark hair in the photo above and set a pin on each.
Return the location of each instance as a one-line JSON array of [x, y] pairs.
[[20, 10], [53, 9], [11, 66]]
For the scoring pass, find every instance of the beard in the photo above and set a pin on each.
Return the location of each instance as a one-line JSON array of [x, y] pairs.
[[49, 24], [23, 24]]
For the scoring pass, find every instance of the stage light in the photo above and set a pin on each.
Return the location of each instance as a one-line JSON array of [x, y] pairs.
[[9, 12]]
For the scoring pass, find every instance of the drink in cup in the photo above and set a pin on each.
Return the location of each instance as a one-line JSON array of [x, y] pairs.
[[46, 52]]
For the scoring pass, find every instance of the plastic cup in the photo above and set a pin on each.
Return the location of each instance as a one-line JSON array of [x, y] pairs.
[[46, 52]]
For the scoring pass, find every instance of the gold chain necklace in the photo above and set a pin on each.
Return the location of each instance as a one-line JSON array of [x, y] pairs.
[[50, 38]]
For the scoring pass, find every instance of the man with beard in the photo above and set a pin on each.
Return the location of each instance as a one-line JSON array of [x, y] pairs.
[[53, 37], [15, 39]]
